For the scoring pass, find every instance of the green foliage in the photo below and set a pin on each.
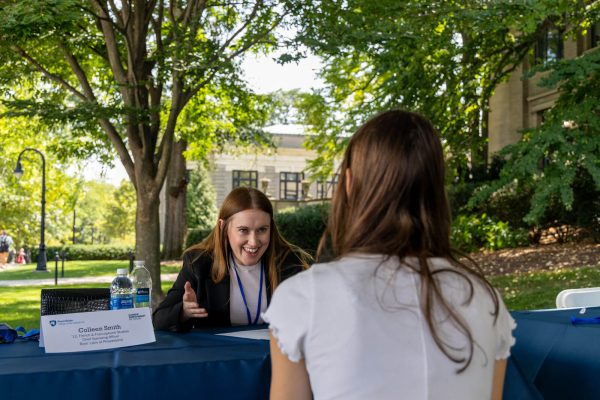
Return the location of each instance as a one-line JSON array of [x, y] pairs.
[[560, 160], [118, 215], [201, 198], [474, 232], [195, 236], [118, 74], [86, 252], [443, 59], [303, 226], [20, 202]]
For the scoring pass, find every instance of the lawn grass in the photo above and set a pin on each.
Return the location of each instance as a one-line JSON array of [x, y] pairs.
[[20, 306], [521, 291], [73, 269], [538, 290]]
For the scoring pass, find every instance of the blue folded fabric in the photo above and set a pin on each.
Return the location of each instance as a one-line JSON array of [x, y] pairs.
[[585, 321], [8, 334]]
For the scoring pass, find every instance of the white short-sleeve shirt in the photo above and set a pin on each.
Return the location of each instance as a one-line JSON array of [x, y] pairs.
[[358, 325]]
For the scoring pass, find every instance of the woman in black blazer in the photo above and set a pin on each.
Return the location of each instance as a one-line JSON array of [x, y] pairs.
[[230, 276]]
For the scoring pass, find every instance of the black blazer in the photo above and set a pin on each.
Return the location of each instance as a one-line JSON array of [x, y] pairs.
[[210, 295]]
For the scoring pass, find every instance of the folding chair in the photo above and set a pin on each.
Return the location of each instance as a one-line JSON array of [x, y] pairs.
[[584, 297]]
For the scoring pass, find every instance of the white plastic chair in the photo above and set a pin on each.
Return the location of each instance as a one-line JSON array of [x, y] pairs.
[[584, 297]]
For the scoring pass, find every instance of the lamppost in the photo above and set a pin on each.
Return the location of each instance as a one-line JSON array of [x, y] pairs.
[[41, 260]]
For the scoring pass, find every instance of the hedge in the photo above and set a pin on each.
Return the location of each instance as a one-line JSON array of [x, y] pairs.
[[87, 252], [195, 235], [303, 226]]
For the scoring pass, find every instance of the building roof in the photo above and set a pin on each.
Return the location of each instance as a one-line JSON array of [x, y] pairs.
[[286, 129]]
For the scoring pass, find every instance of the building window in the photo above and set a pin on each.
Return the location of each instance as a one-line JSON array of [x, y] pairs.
[[245, 178], [290, 185], [325, 189], [550, 46]]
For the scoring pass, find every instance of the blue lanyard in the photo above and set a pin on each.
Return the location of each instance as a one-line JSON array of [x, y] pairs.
[[260, 285]]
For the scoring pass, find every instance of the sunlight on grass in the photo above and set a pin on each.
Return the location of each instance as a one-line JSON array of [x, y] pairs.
[[521, 291], [20, 306], [73, 269], [538, 290]]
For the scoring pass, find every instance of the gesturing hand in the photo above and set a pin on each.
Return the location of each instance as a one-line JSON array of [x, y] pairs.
[[190, 308]]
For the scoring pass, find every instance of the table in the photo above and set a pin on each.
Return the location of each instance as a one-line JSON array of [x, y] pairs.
[[196, 365], [552, 358]]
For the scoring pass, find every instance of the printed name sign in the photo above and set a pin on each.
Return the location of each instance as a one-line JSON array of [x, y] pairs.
[[98, 330]]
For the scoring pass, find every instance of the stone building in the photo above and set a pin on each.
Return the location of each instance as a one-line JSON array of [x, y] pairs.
[[279, 172], [520, 103]]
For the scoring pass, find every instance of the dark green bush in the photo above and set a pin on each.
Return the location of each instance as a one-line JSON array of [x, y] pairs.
[[473, 232], [303, 226], [459, 194], [86, 252], [195, 235]]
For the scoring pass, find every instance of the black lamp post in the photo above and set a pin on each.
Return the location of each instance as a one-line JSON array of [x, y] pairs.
[[74, 227], [41, 260]]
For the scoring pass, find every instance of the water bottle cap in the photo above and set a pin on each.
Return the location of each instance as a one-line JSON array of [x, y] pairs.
[[122, 271], [139, 262]]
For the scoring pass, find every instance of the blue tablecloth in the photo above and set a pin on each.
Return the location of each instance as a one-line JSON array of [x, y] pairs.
[[177, 366], [552, 358]]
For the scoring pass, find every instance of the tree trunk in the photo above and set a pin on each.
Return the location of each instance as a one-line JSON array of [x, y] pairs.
[[147, 238], [175, 207]]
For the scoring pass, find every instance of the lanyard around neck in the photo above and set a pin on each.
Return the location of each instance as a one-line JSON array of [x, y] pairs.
[[260, 285]]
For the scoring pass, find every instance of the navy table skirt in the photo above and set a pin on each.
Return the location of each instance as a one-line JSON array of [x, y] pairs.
[[552, 358], [177, 366]]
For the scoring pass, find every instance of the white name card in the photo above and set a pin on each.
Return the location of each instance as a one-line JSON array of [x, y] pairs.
[[98, 330]]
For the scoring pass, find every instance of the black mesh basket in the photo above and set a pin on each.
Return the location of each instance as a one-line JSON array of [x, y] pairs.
[[65, 301]]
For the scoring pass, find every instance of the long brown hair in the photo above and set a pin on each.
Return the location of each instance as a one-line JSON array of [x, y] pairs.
[[216, 244], [395, 203]]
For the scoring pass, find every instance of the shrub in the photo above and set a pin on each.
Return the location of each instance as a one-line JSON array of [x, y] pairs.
[[195, 235], [473, 232], [303, 226], [86, 252]]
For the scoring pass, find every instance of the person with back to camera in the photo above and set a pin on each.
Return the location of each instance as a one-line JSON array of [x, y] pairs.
[[229, 277], [395, 315]]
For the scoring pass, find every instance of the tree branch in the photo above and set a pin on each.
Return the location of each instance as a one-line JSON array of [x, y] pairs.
[[79, 73], [116, 140], [112, 48], [164, 151], [47, 73], [189, 94]]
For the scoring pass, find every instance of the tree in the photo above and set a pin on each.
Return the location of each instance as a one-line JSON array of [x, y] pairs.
[[120, 73], [216, 116], [443, 59], [202, 199], [20, 202], [119, 214], [175, 227], [558, 163]]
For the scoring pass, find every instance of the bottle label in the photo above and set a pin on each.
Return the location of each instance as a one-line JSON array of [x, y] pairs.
[[142, 295], [119, 303]]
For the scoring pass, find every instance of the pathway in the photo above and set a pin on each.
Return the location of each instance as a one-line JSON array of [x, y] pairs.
[[70, 281]]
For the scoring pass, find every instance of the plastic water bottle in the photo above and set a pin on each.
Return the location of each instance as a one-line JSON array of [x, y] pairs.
[[121, 291], [142, 285]]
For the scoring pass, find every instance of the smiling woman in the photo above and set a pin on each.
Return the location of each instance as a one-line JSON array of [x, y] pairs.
[[228, 278], [249, 236]]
